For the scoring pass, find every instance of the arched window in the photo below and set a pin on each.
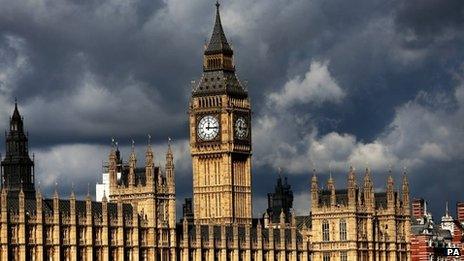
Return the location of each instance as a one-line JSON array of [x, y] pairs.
[[326, 256], [342, 229], [325, 231], [343, 256]]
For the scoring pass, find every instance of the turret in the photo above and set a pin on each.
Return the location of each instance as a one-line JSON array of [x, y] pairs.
[[390, 193], [56, 217], [149, 163], [56, 200], [72, 205], [39, 202], [21, 201], [331, 188], [132, 166], [17, 168], [405, 194], [352, 187], [368, 190], [314, 191], [170, 178], [113, 168], [88, 200]]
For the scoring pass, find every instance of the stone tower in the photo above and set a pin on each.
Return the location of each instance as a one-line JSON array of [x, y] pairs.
[[220, 137], [151, 192], [281, 200], [17, 168]]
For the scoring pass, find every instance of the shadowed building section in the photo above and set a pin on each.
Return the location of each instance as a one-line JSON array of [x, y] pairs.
[[281, 200], [17, 168]]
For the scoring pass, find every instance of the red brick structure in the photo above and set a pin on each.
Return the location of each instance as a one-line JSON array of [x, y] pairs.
[[429, 239], [460, 211], [458, 237], [420, 248], [418, 208]]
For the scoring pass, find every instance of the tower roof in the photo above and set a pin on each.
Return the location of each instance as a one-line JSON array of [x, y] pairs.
[[218, 73], [218, 41], [16, 115], [16, 122]]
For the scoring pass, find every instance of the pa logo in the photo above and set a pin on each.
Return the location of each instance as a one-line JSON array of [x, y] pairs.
[[452, 252]]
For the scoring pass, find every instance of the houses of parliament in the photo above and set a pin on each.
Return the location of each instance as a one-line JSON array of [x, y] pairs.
[[137, 219]]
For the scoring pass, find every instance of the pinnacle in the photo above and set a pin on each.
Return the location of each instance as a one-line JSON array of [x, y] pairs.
[[218, 42]]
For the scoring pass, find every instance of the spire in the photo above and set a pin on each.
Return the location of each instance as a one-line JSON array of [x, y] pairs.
[[21, 192], [330, 182], [218, 41], [55, 194], [88, 192], [169, 152], [16, 121], [218, 66], [132, 146], [405, 190], [367, 179], [314, 178], [390, 182], [104, 199], [16, 115], [352, 187], [17, 166], [149, 157], [132, 165], [39, 192], [390, 192], [405, 180], [73, 196], [169, 167], [351, 177], [446, 209], [132, 157], [331, 187], [368, 190], [314, 190]]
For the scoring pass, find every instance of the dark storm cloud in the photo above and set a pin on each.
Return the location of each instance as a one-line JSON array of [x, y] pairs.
[[430, 19], [85, 71]]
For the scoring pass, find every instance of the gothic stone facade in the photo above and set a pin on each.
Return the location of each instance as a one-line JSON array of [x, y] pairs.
[[137, 220], [220, 138], [137, 224], [360, 224]]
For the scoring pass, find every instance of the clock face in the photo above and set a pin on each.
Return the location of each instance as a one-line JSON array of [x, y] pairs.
[[208, 128], [241, 128]]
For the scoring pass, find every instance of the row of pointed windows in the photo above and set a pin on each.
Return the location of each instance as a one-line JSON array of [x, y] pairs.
[[326, 230]]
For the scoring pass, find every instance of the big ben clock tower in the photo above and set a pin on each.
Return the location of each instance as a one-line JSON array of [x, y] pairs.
[[220, 138]]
